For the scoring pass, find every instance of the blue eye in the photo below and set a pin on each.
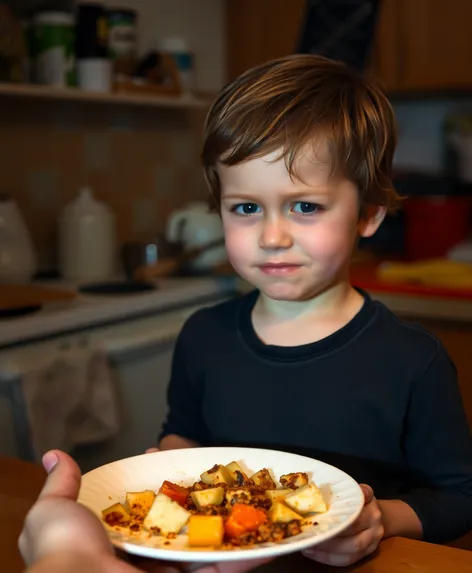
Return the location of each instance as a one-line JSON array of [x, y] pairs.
[[305, 208], [246, 209]]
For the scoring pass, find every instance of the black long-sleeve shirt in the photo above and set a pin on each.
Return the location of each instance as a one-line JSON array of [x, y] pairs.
[[378, 399]]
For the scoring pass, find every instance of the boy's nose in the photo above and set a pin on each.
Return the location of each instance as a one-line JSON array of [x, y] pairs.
[[275, 235]]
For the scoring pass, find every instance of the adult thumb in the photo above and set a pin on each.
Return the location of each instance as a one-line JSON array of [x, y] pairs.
[[63, 479], [368, 492]]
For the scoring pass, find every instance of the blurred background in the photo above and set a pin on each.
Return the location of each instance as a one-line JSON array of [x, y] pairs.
[[106, 242], [111, 97]]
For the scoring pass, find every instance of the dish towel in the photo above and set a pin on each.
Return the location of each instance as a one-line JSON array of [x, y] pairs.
[[71, 399]]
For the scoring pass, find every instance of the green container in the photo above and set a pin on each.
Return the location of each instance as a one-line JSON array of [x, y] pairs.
[[54, 48]]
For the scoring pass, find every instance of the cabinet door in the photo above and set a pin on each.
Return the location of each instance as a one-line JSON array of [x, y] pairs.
[[260, 30], [384, 65], [435, 44]]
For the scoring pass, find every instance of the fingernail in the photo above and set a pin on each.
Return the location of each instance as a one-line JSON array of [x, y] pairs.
[[50, 459]]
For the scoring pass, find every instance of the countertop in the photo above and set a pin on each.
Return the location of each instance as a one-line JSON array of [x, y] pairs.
[[92, 310], [20, 483]]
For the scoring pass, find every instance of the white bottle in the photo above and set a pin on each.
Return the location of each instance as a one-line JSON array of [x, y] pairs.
[[87, 244]]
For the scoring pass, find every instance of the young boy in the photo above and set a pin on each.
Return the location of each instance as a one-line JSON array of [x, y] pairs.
[[298, 156]]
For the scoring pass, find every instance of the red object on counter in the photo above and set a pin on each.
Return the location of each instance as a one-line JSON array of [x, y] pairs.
[[435, 224]]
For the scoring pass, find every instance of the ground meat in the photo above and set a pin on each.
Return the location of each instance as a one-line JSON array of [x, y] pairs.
[[115, 518], [199, 485], [269, 532], [213, 510], [261, 502], [242, 479], [293, 528]]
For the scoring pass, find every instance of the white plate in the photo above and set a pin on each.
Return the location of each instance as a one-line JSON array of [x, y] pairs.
[[108, 484]]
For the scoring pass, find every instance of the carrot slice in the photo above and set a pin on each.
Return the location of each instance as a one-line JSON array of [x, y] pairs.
[[244, 518], [176, 492]]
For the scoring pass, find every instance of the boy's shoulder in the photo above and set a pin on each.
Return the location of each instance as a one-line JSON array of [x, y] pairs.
[[401, 337]]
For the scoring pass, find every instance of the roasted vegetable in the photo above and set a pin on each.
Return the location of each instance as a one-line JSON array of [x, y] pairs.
[[175, 492], [280, 513], [292, 481], [306, 499], [166, 516], [274, 494], [244, 518], [205, 530], [263, 479], [237, 475], [139, 502], [238, 495], [210, 496], [216, 475], [116, 514]]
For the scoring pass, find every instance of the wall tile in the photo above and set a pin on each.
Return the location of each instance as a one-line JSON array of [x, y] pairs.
[[97, 151], [43, 190]]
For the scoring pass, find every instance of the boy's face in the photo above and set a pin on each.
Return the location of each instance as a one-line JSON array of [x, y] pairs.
[[291, 239]]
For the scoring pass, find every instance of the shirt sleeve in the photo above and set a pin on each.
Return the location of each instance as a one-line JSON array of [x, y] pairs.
[[438, 449], [185, 390]]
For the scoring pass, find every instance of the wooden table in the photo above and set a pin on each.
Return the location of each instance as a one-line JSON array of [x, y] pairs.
[[20, 483]]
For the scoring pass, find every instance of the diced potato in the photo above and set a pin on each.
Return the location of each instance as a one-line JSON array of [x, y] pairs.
[[306, 499], [237, 475], [166, 515], [238, 495], [205, 530], [274, 494], [280, 513], [139, 502], [292, 481], [210, 496], [217, 474], [116, 514], [263, 479]]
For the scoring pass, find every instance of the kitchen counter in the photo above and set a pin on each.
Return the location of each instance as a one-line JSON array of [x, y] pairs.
[[92, 310]]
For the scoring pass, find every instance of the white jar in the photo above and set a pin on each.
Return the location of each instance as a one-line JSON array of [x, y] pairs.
[[87, 244]]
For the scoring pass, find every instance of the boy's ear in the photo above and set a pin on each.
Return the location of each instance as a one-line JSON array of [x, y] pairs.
[[370, 220]]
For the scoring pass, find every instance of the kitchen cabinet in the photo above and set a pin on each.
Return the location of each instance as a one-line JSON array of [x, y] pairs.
[[260, 30], [420, 45], [423, 45]]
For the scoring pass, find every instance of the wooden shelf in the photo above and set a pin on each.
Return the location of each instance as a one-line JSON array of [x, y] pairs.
[[78, 95]]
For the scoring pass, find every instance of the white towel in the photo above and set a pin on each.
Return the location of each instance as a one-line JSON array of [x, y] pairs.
[[71, 399]]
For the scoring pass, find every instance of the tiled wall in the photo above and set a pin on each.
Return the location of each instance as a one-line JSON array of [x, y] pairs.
[[144, 162]]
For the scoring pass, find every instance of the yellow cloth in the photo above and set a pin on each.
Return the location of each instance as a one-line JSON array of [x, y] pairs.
[[434, 272]]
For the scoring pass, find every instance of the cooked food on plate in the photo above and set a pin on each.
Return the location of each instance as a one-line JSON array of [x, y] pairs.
[[225, 509]]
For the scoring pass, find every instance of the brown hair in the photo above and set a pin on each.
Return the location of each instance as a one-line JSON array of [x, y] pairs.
[[288, 103]]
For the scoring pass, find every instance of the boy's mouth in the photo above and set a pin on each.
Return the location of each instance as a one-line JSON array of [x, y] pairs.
[[279, 269]]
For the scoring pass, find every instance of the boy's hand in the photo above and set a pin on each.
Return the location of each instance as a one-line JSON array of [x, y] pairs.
[[359, 540]]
